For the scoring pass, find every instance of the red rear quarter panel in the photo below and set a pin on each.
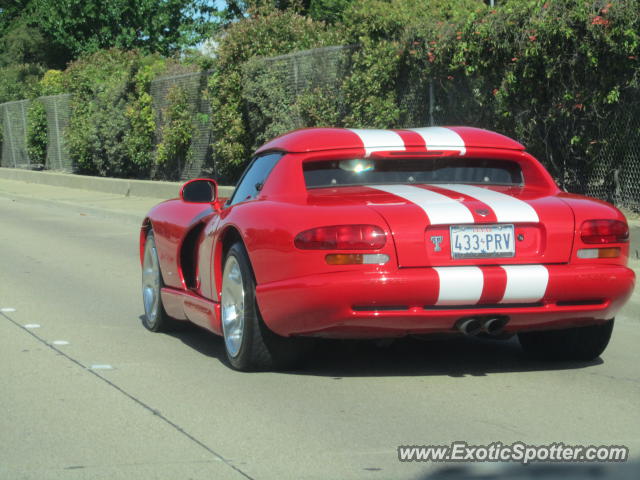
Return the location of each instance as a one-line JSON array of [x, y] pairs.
[[586, 208]]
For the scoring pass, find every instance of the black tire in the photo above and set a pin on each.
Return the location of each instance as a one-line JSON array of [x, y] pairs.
[[258, 348], [155, 318], [578, 343]]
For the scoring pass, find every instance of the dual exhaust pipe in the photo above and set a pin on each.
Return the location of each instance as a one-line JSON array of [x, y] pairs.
[[472, 326]]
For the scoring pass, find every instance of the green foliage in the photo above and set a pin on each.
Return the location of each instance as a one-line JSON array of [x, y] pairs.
[[178, 129], [86, 26], [101, 84], [272, 33], [139, 139], [370, 89], [401, 20], [269, 102], [22, 43], [37, 133], [551, 72], [319, 107], [51, 33], [275, 102], [18, 82], [52, 83], [330, 11]]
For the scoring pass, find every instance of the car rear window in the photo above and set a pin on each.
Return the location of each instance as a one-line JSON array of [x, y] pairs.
[[365, 171]]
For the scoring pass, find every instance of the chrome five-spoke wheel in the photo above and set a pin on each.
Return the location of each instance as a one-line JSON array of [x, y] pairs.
[[232, 306], [150, 282], [155, 317]]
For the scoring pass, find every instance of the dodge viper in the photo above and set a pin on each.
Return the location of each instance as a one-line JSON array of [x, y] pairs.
[[363, 233]]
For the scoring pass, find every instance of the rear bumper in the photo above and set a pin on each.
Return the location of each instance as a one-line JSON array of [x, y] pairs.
[[354, 304]]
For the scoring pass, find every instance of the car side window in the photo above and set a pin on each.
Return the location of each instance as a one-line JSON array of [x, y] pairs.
[[254, 177]]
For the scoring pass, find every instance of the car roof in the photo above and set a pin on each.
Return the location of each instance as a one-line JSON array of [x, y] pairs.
[[426, 138]]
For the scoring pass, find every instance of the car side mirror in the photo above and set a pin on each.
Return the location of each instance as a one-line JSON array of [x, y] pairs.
[[200, 190]]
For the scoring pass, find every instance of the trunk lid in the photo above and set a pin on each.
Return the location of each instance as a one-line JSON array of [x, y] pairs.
[[420, 218]]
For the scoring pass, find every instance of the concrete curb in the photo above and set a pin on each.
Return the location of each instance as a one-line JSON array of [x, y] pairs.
[[117, 186]]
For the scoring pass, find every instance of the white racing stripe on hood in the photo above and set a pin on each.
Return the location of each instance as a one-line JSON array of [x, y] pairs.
[[379, 140], [440, 209], [440, 138], [506, 207], [459, 285], [525, 283]]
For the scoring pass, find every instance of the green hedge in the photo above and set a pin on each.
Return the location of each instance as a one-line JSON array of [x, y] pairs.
[[113, 129], [270, 33], [173, 149], [37, 133], [550, 73]]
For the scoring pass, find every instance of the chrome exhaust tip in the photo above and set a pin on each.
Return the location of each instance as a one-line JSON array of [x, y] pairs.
[[469, 326], [494, 326]]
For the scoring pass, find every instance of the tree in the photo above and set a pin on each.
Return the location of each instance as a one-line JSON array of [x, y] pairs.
[[86, 26], [325, 10]]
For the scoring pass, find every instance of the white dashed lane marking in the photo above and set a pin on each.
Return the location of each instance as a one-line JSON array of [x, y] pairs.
[[101, 367], [31, 325]]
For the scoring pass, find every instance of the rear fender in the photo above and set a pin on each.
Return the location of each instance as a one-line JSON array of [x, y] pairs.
[[144, 230], [585, 208]]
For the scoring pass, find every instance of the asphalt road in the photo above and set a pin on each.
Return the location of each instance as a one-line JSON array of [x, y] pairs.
[[87, 393]]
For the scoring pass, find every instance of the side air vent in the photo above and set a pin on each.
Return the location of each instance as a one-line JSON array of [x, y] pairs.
[[379, 308], [483, 307]]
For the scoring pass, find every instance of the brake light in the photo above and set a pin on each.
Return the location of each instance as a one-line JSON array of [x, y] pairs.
[[342, 237], [604, 231]]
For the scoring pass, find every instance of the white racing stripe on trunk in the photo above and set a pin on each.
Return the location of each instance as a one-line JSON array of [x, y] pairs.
[[440, 209], [506, 207], [440, 138], [525, 283], [459, 285], [379, 140]]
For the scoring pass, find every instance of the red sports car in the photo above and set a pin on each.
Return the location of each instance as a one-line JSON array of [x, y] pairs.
[[359, 233]]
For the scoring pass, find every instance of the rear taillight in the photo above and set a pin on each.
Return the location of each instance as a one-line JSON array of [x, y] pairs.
[[342, 237], [604, 231]]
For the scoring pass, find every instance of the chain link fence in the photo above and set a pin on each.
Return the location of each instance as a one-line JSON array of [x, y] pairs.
[[199, 160], [58, 115], [14, 121], [14, 134], [616, 175], [296, 90], [287, 92], [608, 169]]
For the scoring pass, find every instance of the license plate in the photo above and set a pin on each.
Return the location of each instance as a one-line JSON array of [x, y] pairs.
[[482, 241]]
